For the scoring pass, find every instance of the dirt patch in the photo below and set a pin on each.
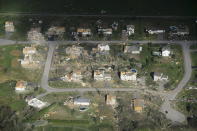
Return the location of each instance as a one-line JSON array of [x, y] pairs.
[[15, 63], [1, 68], [16, 53]]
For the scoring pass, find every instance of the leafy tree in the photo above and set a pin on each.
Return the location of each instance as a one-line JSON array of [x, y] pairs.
[[9, 121]]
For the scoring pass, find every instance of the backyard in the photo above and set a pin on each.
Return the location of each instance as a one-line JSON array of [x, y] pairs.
[[98, 115], [10, 68], [171, 66]]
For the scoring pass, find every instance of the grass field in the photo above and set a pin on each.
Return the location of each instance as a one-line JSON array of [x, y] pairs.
[[9, 97], [194, 58], [194, 71], [193, 46], [188, 107], [62, 84], [69, 116], [53, 128]]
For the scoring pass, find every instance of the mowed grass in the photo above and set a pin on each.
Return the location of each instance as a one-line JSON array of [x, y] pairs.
[[193, 47], [70, 116], [10, 68], [193, 80], [194, 58], [62, 84], [51, 128], [9, 97], [186, 106]]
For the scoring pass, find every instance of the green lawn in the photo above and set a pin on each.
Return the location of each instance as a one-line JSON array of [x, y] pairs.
[[172, 67], [9, 97], [194, 58], [193, 46], [194, 71], [53, 128], [66, 116], [187, 107], [62, 84]]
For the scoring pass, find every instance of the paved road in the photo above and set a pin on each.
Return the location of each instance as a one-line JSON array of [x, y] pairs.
[[172, 114], [129, 41], [6, 42], [11, 42]]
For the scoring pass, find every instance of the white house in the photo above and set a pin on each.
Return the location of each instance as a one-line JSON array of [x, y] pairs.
[[107, 31], [128, 75], [103, 47], [81, 102], [130, 29], [165, 51], [156, 31], [37, 103], [159, 77]]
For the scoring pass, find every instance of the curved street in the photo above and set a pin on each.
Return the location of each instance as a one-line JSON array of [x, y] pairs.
[[172, 114], [166, 108]]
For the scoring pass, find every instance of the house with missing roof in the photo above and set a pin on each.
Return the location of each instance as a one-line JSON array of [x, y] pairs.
[[81, 101], [102, 74], [130, 29], [110, 100], [74, 51], [9, 27], [21, 85], [138, 105], [35, 36], [157, 76], [133, 49], [84, 32], [36, 103], [28, 61], [75, 76]]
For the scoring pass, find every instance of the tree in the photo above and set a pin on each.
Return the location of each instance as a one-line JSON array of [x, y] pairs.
[[9, 121]]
